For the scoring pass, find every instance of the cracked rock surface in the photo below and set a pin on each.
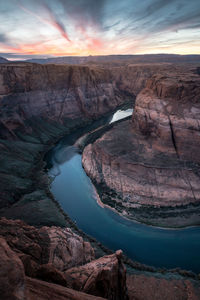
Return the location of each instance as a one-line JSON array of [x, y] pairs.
[[148, 167]]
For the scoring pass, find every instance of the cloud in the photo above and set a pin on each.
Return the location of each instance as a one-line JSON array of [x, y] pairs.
[[97, 26], [85, 12], [3, 38], [52, 18], [56, 22]]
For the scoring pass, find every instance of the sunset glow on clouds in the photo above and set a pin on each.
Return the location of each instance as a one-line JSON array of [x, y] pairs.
[[98, 27]]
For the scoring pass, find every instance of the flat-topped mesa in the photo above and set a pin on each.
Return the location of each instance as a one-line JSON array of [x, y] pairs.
[[148, 168], [168, 112]]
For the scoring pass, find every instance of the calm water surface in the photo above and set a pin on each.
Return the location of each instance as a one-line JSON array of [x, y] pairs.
[[149, 245]]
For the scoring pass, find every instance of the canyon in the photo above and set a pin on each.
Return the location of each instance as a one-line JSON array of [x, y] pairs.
[[41, 103], [149, 166]]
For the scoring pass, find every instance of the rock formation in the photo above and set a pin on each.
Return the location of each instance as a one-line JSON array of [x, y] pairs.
[[38, 105], [55, 246], [12, 277], [149, 167], [104, 277], [57, 256], [14, 285], [146, 286], [31, 268], [41, 103]]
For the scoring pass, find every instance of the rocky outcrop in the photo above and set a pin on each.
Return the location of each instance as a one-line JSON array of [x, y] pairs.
[[59, 256], [104, 277], [167, 111], [148, 286], [14, 285], [149, 168], [41, 290], [12, 278], [55, 246]]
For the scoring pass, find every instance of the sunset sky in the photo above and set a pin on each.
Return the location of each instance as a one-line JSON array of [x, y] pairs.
[[29, 28]]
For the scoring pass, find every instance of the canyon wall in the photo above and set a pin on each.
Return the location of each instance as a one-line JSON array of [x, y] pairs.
[[149, 167], [38, 105]]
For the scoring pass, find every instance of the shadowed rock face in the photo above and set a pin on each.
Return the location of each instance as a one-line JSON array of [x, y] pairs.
[[14, 285], [152, 288], [39, 104], [58, 256], [153, 162], [104, 277], [48, 245], [31, 268], [60, 92]]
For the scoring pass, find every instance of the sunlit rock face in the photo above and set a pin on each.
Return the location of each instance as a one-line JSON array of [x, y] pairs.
[[168, 111], [149, 167]]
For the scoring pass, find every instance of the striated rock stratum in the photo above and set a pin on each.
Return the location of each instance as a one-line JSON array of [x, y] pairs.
[[148, 167], [41, 103], [57, 256], [38, 105]]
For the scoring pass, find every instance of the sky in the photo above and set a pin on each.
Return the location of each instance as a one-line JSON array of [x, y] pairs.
[[46, 28]]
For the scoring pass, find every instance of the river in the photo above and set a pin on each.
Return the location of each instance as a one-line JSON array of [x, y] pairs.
[[75, 192]]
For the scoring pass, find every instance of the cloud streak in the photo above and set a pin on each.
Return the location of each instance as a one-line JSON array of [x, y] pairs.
[[52, 20], [86, 27]]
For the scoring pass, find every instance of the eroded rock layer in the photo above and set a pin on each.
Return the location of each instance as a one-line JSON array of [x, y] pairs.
[[55, 255], [149, 167], [38, 105], [53, 263]]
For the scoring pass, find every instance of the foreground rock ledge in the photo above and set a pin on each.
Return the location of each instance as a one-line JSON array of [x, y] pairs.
[[55, 255], [31, 268], [148, 168]]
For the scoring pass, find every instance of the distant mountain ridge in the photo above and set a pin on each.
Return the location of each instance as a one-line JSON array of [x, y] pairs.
[[146, 58], [3, 60]]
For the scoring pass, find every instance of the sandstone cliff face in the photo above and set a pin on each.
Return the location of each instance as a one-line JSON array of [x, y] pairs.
[[40, 103], [48, 245], [146, 286], [57, 256], [12, 277], [168, 112], [37, 105], [104, 277], [65, 92], [14, 285], [153, 162]]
